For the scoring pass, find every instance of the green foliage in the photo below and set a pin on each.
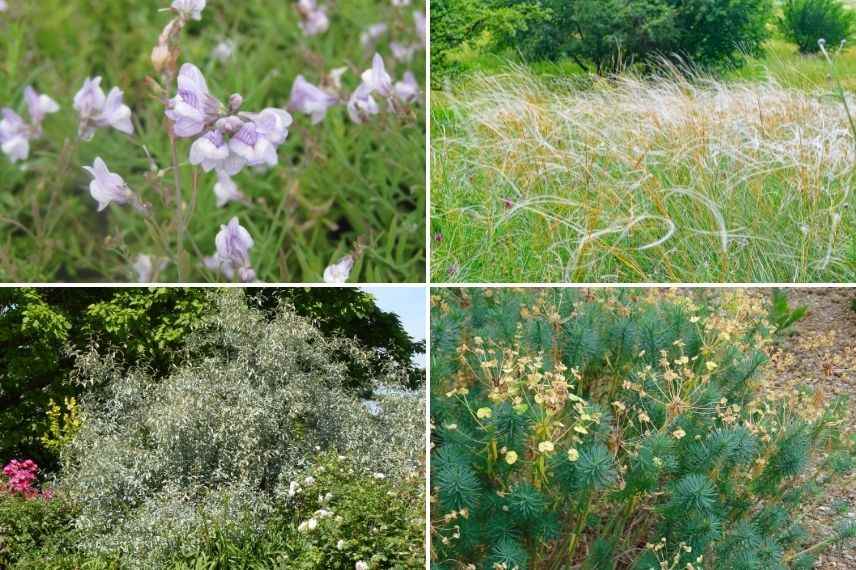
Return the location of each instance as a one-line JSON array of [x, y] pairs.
[[806, 22], [782, 315], [34, 533], [574, 425]]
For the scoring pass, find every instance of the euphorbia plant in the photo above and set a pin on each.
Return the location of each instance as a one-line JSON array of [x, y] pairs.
[[616, 431]]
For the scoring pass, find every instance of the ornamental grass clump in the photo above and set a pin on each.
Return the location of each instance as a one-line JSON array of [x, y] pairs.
[[224, 437], [619, 430]]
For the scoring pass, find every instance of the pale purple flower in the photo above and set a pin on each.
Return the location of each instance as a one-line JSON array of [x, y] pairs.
[[107, 187], [3, 6], [403, 52], [226, 190], [14, 136], [189, 8], [223, 51], [407, 90], [339, 272], [310, 99], [258, 138], [98, 111], [313, 18], [362, 105], [211, 150], [193, 108], [335, 77], [148, 267], [377, 78], [39, 105], [232, 257], [372, 34], [420, 21]]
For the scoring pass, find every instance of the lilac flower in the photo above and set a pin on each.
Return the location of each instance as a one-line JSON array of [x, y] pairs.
[[223, 51], [403, 52], [97, 111], [372, 34], [147, 267], [3, 6], [226, 190], [407, 90], [339, 272], [189, 8], [377, 78], [211, 150], [39, 105], [313, 18], [193, 108], [362, 105], [419, 21], [14, 136], [311, 100], [257, 139], [232, 257], [107, 187]]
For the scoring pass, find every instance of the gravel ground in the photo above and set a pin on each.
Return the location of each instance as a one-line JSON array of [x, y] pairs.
[[821, 353]]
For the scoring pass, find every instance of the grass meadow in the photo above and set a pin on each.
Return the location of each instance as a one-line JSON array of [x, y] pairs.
[[543, 174], [339, 187]]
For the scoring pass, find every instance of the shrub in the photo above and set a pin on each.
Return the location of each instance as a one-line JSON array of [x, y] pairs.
[[805, 22], [609, 33], [615, 430], [33, 532], [214, 440]]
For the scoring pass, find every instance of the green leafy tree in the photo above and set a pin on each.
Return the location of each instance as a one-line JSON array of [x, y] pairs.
[[806, 22]]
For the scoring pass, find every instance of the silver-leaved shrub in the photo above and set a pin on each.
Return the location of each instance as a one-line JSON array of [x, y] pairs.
[[225, 435]]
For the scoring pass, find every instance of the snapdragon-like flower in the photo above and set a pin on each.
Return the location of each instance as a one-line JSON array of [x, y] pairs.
[[376, 78], [98, 111], [15, 133], [232, 257], [372, 34], [311, 100], [107, 187], [339, 272], [407, 90], [226, 190], [313, 18], [403, 52], [362, 105], [189, 8], [257, 140], [419, 21], [147, 267], [193, 109], [3, 6]]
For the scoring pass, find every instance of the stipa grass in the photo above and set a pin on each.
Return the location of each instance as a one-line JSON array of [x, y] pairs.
[[670, 179]]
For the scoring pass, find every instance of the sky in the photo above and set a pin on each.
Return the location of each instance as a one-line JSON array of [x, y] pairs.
[[409, 304]]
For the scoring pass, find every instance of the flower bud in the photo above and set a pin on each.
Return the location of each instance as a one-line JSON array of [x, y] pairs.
[[160, 55]]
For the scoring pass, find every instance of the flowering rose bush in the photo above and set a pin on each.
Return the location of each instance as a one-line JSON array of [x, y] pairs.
[[279, 137], [620, 430]]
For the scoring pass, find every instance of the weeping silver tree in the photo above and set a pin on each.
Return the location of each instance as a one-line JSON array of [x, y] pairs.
[[224, 434]]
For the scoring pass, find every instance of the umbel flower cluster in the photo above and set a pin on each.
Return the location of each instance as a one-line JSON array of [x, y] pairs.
[[226, 138], [619, 430]]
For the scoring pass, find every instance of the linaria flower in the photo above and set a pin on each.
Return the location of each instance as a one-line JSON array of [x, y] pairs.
[[14, 136], [15, 133], [403, 52], [372, 34], [147, 267], [3, 6], [253, 146], [226, 190], [407, 90], [313, 18], [339, 272], [232, 257], [107, 187], [193, 108], [211, 150], [419, 21], [362, 105], [223, 51], [311, 100], [189, 8], [377, 79], [97, 111]]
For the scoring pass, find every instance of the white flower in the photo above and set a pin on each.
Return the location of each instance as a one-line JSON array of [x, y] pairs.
[[323, 513], [340, 545], [309, 481], [339, 272], [147, 267], [189, 8], [379, 476], [307, 526], [224, 50], [361, 566]]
